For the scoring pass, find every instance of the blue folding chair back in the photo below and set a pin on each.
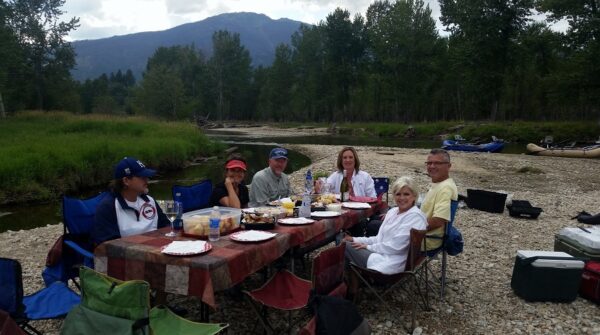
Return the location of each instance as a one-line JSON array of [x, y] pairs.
[[51, 302], [193, 197], [78, 219], [382, 185]]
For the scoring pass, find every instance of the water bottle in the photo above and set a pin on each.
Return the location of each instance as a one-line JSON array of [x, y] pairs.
[[308, 185], [213, 228], [305, 208], [178, 222]]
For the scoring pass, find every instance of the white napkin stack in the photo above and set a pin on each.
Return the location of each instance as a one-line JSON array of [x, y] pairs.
[[254, 235], [185, 247]]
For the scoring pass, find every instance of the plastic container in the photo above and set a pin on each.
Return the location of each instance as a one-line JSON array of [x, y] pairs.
[[546, 276], [196, 223], [486, 201]]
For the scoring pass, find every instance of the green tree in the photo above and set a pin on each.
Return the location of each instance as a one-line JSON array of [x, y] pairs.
[[161, 93], [275, 94], [483, 33], [231, 73], [580, 75], [406, 51], [40, 33]]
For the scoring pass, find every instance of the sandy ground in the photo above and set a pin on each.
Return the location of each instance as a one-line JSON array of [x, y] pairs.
[[479, 299]]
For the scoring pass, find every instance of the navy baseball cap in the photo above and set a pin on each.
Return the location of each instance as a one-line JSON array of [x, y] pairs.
[[278, 153], [132, 167]]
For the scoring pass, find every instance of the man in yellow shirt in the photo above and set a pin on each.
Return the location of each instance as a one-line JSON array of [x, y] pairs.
[[436, 204]]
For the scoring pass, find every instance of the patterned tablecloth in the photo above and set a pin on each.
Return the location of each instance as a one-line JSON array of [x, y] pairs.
[[228, 263]]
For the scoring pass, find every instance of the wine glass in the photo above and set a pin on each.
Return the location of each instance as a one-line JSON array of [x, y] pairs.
[[172, 210]]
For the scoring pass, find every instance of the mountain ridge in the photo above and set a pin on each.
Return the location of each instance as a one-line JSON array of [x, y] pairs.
[[259, 34]]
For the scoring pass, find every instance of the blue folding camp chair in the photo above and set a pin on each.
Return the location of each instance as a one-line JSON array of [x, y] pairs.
[[431, 254], [382, 184], [193, 197], [54, 301], [78, 219]]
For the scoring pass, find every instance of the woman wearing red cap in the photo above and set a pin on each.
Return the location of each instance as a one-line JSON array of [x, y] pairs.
[[232, 192]]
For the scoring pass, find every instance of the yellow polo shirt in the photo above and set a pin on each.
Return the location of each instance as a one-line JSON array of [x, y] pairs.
[[437, 204]]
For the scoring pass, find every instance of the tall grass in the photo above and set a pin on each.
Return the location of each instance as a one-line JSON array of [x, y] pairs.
[[46, 154]]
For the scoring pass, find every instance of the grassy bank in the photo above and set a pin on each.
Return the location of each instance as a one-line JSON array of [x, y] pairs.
[[517, 131], [47, 154]]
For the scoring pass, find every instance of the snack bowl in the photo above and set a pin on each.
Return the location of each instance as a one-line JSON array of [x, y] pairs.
[[335, 207]]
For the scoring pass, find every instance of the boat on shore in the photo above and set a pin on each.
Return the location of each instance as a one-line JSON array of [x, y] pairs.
[[460, 144], [589, 151]]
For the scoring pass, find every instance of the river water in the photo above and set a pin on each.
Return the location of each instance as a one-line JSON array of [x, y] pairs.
[[254, 150]]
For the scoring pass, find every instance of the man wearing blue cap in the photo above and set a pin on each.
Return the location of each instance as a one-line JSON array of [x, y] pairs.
[[271, 183], [128, 210]]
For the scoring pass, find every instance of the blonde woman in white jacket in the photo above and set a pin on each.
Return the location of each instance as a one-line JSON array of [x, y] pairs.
[[387, 251]]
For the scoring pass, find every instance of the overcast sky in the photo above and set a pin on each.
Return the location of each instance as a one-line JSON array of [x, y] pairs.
[[105, 18]]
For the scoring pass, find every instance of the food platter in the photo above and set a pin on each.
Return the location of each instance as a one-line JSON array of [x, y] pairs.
[[252, 236], [186, 248]]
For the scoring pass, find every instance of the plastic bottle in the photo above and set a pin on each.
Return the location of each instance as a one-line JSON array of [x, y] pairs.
[[344, 189], [213, 228], [178, 222], [308, 185]]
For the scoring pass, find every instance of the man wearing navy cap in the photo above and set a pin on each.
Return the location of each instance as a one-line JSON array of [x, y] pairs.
[[128, 210], [271, 183]]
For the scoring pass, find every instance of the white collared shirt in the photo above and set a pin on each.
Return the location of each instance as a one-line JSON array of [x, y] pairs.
[[362, 183]]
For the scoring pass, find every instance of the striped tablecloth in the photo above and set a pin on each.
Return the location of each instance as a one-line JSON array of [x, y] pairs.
[[228, 263]]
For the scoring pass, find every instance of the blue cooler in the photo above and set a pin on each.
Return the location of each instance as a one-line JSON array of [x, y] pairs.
[[546, 276]]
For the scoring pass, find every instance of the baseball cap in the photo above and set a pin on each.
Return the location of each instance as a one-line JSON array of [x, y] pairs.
[[235, 163], [130, 167], [278, 153]]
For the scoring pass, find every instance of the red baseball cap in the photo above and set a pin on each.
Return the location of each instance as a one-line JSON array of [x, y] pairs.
[[235, 163]]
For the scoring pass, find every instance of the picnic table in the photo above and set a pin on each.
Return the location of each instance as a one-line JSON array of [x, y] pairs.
[[227, 264]]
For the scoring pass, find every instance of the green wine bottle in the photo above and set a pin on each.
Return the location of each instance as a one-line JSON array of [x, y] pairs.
[[344, 188]]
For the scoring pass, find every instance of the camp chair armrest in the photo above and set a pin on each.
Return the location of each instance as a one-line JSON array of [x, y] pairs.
[[88, 256]]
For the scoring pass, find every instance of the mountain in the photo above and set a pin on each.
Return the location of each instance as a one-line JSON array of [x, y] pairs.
[[258, 33]]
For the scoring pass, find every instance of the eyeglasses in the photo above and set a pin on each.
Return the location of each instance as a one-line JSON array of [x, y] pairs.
[[435, 163]]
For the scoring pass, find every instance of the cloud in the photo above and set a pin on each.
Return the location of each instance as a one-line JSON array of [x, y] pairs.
[[182, 7]]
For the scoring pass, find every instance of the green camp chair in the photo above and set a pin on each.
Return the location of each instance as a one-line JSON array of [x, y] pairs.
[[112, 306]]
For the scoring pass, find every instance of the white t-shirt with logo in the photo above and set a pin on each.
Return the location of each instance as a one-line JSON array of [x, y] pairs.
[[129, 224]]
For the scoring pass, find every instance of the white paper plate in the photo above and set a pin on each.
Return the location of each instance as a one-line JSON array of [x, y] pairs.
[[251, 236], [324, 214], [186, 248], [356, 205], [295, 221], [248, 210]]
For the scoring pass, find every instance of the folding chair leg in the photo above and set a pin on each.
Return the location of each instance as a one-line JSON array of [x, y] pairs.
[[443, 278], [29, 329], [262, 316]]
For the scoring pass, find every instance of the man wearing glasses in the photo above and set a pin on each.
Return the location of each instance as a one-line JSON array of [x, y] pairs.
[[271, 183], [436, 204]]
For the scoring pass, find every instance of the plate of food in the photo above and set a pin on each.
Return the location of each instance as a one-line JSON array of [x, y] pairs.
[[186, 248], [258, 221], [252, 236], [324, 214], [295, 221], [356, 205]]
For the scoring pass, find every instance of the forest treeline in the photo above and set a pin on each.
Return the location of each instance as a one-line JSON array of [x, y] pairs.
[[388, 64]]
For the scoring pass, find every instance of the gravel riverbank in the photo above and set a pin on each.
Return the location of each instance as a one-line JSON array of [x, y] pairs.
[[479, 299]]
